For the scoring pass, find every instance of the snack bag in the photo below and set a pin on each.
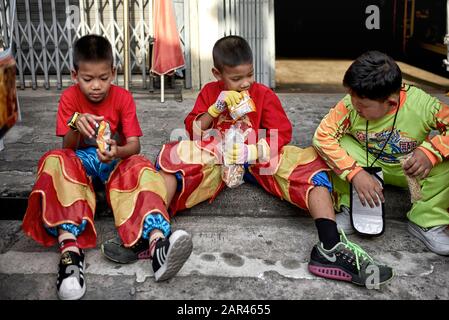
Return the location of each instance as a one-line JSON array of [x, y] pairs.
[[245, 106], [413, 184], [103, 134], [232, 174], [9, 111]]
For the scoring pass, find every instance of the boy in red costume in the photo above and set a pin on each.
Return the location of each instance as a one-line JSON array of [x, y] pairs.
[[62, 203]]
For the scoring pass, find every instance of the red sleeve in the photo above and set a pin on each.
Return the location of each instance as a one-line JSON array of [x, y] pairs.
[[130, 123], [275, 118], [66, 108], [204, 100]]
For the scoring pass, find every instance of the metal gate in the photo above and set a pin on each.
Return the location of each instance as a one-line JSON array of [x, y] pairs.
[[253, 20], [45, 31]]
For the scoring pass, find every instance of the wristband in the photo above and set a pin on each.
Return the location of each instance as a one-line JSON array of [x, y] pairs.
[[72, 121]]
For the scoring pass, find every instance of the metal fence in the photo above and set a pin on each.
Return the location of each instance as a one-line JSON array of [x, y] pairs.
[[45, 31], [253, 20]]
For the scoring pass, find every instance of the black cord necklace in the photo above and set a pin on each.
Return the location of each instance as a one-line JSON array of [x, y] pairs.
[[388, 138]]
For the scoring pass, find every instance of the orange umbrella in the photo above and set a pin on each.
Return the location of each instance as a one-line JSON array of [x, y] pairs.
[[167, 55]]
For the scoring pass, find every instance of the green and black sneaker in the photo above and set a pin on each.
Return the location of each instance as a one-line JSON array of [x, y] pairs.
[[114, 250], [347, 261]]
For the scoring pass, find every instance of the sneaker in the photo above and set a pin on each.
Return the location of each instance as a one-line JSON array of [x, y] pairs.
[[115, 250], [343, 220], [171, 254], [70, 283], [435, 238], [347, 261]]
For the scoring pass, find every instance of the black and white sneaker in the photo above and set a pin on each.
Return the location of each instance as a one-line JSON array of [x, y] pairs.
[[171, 254], [70, 283]]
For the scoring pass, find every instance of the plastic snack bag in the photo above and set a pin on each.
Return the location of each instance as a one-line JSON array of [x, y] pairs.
[[9, 111], [103, 134], [232, 174], [9, 107]]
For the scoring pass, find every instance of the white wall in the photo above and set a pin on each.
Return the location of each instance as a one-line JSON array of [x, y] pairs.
[[203, 35]]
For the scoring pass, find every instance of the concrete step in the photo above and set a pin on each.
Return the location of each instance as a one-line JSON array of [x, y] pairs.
[[233, 258], [245, 200], [30, 139], [252, 201]]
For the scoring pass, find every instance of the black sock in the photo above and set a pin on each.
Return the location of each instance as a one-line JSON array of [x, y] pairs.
[[327, 232]]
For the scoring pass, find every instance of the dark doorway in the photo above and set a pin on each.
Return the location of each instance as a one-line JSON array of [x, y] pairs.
[[409, 30], [334, 29]]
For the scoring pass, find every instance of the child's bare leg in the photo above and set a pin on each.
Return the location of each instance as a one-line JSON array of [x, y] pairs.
[[171, 184], [322, 211], [320, 204]]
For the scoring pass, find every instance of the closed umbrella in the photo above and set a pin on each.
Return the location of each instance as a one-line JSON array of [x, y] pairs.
[[167, 55]]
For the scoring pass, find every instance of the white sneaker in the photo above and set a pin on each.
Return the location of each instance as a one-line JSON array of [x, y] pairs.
[[171, 254], [70, 283], [435, 238], [343, 220]]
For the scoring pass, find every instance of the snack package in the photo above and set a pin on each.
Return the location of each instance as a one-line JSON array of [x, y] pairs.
[[245, 106], [413, 184], [232, 174], [9, 109], [103, 134]]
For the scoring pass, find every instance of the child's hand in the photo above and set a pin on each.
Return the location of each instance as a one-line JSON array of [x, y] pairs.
[[418, 164], [108, 156], [86, 124], [368, 189], [230, 98], [240, 153], [224, 100]]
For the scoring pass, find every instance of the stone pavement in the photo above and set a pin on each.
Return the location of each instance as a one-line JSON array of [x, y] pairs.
[[247, 245]]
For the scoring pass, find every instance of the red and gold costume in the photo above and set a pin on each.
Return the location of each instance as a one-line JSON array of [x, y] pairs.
[[64, 193], [197, 162]]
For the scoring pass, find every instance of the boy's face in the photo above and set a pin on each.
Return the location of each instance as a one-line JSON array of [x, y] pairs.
[[94, 79], [373, 109], [238, 78]]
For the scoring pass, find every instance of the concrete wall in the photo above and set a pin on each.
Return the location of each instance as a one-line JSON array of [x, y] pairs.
[[204, 31]]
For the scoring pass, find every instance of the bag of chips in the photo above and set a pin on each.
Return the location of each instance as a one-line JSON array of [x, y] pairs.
[[232, 174], [103, 134], [9, 111]]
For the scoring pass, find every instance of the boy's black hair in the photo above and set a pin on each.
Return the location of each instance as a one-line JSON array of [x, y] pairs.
[[373, 75], [92, 48], [231, 51]]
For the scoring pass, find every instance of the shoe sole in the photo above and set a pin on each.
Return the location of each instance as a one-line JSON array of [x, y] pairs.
[[338, 274], [75, 297], [179, 251], [412, 230], [330, 273]]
